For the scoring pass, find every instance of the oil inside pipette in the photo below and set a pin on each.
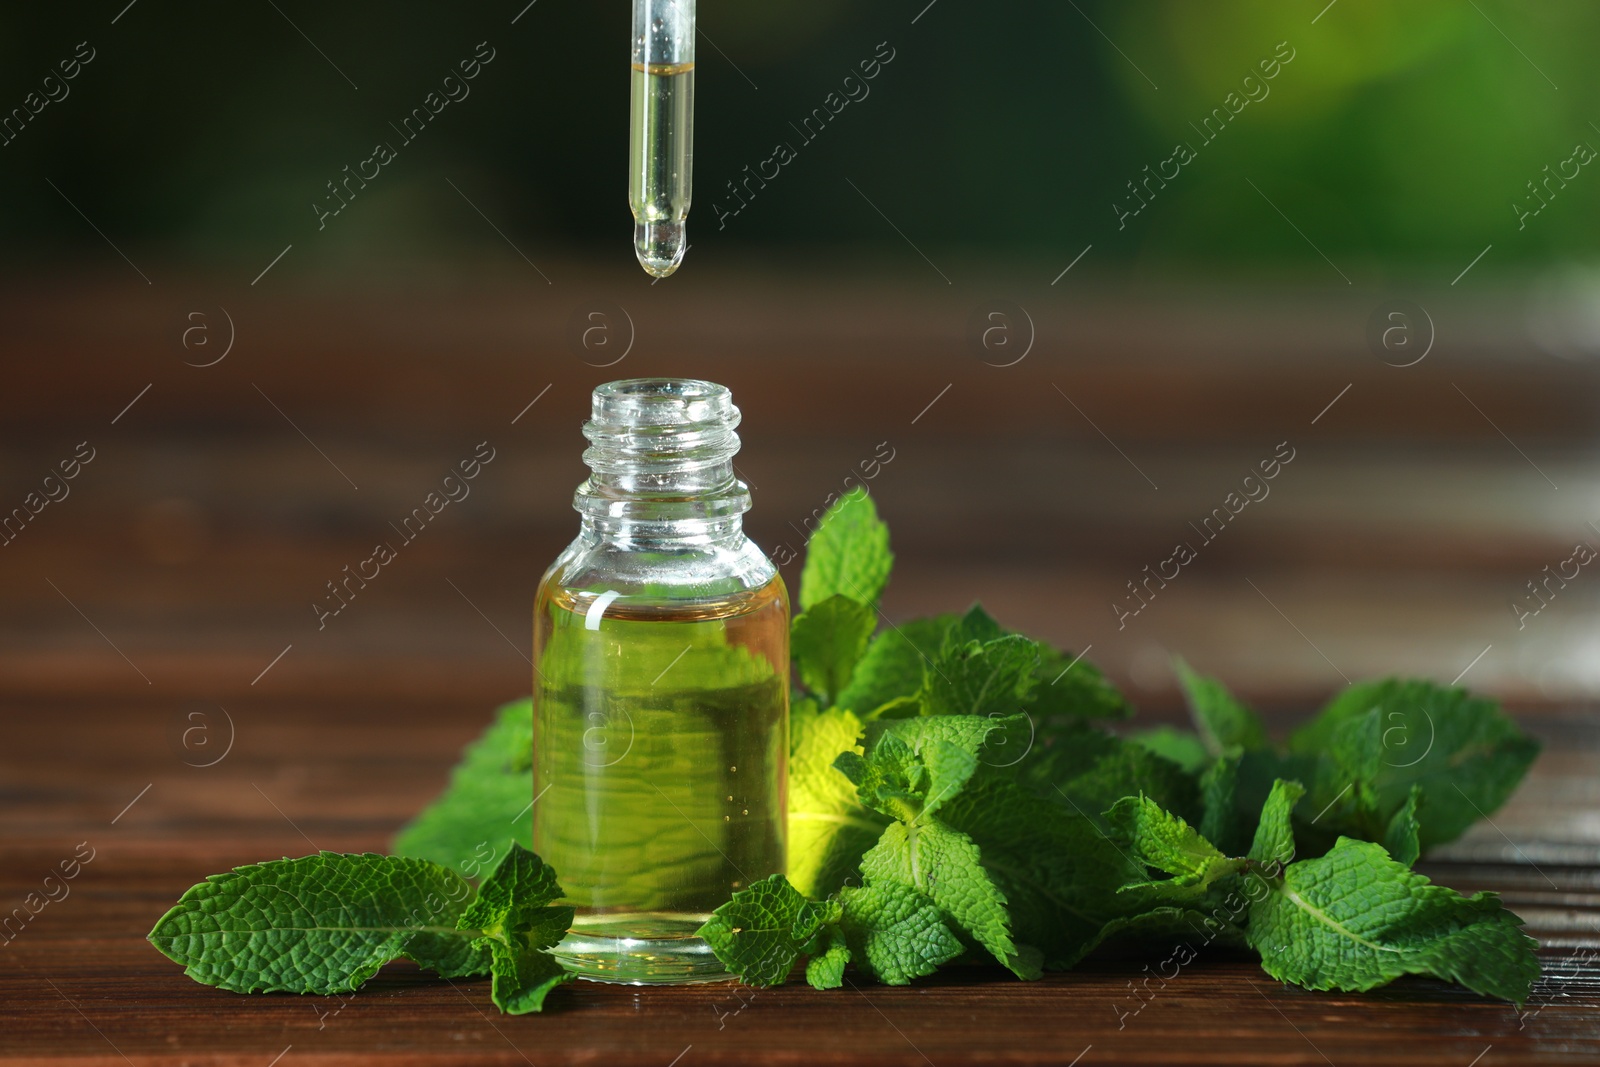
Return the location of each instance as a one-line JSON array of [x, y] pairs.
[[661, 162]]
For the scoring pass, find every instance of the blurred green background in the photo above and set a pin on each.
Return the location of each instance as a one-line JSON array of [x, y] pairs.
[[1398, 136]]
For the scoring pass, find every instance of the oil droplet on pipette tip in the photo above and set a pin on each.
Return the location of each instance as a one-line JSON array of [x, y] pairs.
[[660, 246]]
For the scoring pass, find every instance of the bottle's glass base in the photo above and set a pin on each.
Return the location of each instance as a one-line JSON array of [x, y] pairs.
[[650, 949]]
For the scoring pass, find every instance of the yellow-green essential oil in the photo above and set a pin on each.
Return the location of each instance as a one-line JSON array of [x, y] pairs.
[[661, 641]]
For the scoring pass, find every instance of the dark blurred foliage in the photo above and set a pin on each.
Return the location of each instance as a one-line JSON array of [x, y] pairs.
[[1400, 133]]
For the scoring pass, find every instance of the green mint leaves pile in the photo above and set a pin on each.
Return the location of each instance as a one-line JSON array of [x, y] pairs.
[[954, 797], [326, 923]]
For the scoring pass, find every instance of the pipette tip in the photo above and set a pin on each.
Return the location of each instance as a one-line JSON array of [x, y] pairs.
[[660, 246]]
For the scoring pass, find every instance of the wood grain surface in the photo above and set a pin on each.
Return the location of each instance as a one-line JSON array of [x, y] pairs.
[[177, 580], [79, 982]]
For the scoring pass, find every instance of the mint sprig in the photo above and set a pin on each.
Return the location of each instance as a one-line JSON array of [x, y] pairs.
[[1388, 736], [891, 931], [1356, 919], [1087, 837], [327, 923], [952, 797], [910, 781], [765, 928], [1403, 762], [1162, 840]]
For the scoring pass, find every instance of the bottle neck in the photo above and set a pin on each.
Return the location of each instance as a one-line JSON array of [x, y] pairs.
[[661, 455]]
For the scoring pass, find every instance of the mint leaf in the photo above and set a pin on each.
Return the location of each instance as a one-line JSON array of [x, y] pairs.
[[1466, 755], [825, 970], [829, 827], [977, 677], [1352, 758], [910, 780], [1219, 786], [517, 924], [976, 625], [1048, 873], [1403, 838], [1161, 840], [894, 664], [1274, 842], [1355, 919], [326, 923], [516, 896], [1182, 747], [763, 931], [827, 640], [1057, 872], [1223, 721], [848, 554], [1167, 924], [898, 659], [944, 865], [1057, 686], [895, 934], [1069, 685], [919, 763], [485, 808], [318, 924], [1089, 770], [980, 736], [906, 782], [892, 931], [523, 977]]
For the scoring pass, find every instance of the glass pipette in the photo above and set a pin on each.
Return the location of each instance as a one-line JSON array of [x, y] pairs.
[[661, 131]]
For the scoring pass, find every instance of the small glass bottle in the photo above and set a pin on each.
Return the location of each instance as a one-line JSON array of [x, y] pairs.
[[661, 689]]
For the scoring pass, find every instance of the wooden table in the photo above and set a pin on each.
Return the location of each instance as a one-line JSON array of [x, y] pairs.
[[175, 582], [80, 981]]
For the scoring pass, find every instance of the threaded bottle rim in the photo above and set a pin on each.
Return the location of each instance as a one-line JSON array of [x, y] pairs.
[[661, 451]]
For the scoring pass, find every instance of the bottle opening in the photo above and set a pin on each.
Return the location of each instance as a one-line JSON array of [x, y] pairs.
[[690, 410], [662, 449]]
